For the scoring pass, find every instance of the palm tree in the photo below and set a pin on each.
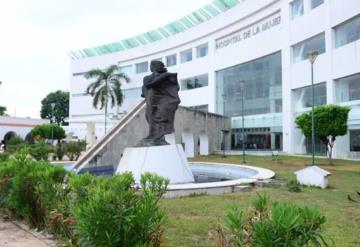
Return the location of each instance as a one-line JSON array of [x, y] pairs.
[[106, 87]]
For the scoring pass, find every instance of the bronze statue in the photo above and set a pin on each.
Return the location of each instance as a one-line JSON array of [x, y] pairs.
[[161, 93]]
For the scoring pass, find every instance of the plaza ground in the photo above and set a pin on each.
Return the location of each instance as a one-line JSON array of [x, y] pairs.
[[191, 219]]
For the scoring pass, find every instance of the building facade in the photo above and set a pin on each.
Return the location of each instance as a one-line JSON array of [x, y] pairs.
[[244, 57]]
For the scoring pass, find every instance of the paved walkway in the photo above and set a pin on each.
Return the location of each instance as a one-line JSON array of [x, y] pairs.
[[13, 236]]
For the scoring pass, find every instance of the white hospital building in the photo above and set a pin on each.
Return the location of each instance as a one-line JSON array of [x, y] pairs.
[[264, 43]]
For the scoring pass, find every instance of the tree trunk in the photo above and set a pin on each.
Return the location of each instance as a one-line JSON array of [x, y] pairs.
[[105, 116], [329, 147]]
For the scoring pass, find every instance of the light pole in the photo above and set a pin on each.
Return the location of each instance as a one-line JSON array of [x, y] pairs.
[[223, 129], [52, 119], [312, 57], [242, 86]]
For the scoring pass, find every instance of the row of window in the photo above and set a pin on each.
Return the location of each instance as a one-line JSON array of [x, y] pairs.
[[171, 60], [344, 33], [194, 82], [346, 89], [320, 147], [297, 7]]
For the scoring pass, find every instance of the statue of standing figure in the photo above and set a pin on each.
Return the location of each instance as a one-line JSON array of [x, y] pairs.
[[161, 93]]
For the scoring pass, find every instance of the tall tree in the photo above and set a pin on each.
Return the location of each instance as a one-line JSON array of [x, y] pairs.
[[106, 87], [330, 121], [3, 111], [61, 108]]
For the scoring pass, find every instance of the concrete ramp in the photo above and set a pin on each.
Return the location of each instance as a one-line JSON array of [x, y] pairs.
[[196, 126], [91, 156]]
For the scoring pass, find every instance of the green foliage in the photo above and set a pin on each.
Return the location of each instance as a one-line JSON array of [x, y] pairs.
[[330, 121], [61, 109], [106, 87], [83, 210], [294, 185], [111, 212], [14, 144], [282, 224], [4, 156], [47, 131], [30, 191], [40, 151], [73, 149], [2, 111], [59, 151]]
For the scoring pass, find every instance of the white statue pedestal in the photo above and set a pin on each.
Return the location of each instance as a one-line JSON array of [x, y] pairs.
[[168, 161]]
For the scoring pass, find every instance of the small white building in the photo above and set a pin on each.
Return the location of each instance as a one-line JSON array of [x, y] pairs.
[[313, 176], [11, 126]]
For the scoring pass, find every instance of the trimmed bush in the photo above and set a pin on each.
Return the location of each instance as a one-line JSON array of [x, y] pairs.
[[40, 151], [15, 144], [59, 152], [47, 131], [73, 149]]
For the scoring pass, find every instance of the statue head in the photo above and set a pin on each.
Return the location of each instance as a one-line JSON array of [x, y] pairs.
[[157, 66]]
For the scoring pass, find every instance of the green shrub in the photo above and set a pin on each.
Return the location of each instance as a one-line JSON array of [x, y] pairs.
[[294, 186], [4, 157], [40, 151], [116, 214], [14, 144], [282, 224], [31, 192], [83, 210], [73, 149], [59, 152], [48, 131]]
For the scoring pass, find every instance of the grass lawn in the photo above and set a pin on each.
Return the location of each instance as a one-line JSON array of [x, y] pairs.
[[191, 219]]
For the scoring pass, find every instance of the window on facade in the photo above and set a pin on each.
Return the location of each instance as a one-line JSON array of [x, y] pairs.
[[204, 108], [320, 147], [202, 50], [157, 59], [127, 70], [347, 32], [262, 90], [315, 3], [302, 49], [186, 56], [297, 8], [171, 60], [132, 93], [303, 96], [355, 140], [79, 94], [194, 82], [142, 67], [348, 88]]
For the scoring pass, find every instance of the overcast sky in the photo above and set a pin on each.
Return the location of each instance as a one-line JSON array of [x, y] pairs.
[[35, 36]]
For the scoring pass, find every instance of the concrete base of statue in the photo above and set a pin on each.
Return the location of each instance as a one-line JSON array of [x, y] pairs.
[[168, 161]]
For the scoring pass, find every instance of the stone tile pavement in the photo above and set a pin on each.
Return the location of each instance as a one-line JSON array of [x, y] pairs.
[[12, 235]]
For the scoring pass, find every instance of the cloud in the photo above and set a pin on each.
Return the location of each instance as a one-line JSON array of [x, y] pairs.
[[36, 36]]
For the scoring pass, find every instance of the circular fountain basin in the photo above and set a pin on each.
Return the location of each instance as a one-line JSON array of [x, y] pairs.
[[219, 178], [210, 178]]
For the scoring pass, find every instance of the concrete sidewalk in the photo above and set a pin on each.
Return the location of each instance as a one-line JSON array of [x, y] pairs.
[[13, 236]]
